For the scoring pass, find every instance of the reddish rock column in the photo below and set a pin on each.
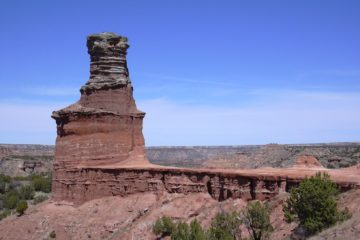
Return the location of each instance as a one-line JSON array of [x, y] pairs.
[[104, 127]]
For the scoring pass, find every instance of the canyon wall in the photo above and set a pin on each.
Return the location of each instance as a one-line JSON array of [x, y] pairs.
[[25, 159], [78, 186], [87, 184]]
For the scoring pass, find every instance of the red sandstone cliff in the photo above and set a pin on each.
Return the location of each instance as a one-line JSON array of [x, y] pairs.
[[104, 126]]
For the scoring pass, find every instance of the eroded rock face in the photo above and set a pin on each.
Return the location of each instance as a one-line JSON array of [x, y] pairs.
[[87, 184], [307, 161], [104, 127], [100, 146]]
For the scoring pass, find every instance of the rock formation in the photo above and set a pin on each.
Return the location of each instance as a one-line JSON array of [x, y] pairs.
[[104, 127], [307, 161], [100, 147]]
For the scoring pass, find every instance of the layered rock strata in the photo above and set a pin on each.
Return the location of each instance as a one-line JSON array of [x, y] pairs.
[[78, 186], [104, 127], [87, 184], [100, 146]]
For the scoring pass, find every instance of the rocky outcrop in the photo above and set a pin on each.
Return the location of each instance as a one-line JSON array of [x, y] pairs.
[[307, 161], [87, 184], [82, 185], [25, 159], [100, 146], [104, 127]]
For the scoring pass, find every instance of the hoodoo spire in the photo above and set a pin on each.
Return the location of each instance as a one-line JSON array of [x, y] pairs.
[[104, 127]]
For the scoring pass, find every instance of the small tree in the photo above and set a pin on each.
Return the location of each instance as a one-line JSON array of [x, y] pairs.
[[257, 220], [181, 232], [225, 226], [196, 231], [313, 204], [41, 183], [164, 227], [27, 192], [21, 207], [11, 199]]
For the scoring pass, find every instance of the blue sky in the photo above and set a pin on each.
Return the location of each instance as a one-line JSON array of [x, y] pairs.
[[206, 72]]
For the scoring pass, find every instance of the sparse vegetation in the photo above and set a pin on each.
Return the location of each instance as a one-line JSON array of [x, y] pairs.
[[28, 158], [164, 227], [225, 226], [39, 199], [256, 219], [181, 232], [313, 204], [41, 183], [196, 231], [27, 192], [21, 207], [4, 214], [4, 181], [11, 199], [14, 192], [4, 178]]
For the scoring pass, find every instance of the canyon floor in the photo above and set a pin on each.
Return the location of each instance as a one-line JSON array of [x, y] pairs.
[[132, 217]]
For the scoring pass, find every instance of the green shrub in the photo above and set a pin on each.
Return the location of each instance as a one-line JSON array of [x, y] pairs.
[[11, 199], [226, 226], [218, 234], [4, 214], [22, 178], [21, 207], [4, 178], [164, 227], [40, 198], [256, 219], [3, 181], [2, 186], [181, 232], [41, 183], [196, 231], [27, 192], [313, 204]]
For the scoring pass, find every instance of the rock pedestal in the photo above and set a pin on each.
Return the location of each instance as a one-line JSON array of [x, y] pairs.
[[104, 128]]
